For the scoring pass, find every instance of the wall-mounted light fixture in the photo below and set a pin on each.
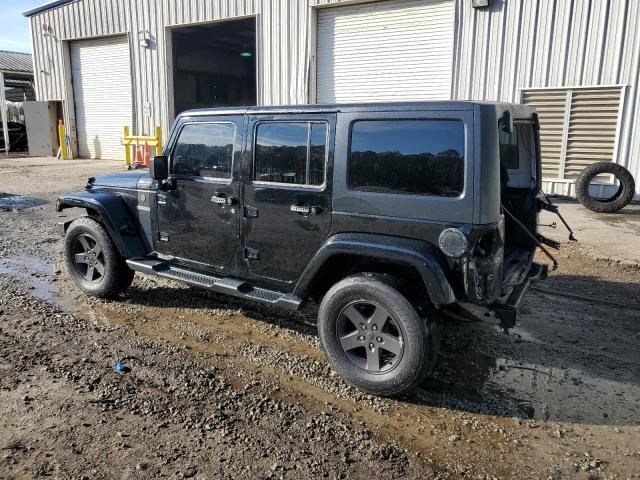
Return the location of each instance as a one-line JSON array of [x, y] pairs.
[[480, 3], [144, 38]]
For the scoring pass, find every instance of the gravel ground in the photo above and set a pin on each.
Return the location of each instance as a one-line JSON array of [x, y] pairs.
[[219, 388]]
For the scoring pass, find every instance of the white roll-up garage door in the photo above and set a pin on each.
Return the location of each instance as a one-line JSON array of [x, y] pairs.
[[101, 78], [385, 50]]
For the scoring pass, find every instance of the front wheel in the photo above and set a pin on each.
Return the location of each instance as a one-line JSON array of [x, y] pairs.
[[92, 260], [374, 337]]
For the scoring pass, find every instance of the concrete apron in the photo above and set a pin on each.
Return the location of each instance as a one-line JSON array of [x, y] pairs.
[[605, 236]]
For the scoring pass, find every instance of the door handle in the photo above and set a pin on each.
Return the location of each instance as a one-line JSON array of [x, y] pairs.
[[305, 210], [222, 200], [301, 209]]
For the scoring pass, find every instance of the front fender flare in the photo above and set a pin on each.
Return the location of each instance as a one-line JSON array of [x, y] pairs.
[[418, 254], [114, 215]]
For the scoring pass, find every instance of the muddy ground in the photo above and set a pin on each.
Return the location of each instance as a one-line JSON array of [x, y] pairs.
[[220, 388]]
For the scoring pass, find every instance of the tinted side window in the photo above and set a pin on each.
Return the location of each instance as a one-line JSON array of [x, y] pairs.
[[291, 152], [204, 150], [424, 157]]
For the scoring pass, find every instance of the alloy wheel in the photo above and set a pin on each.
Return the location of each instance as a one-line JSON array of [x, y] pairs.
[[370, 337], [88, 258]]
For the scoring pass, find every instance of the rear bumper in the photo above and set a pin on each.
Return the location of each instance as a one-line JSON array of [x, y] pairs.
[[507, 309]]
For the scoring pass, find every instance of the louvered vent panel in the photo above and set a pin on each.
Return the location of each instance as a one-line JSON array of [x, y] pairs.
[[592, 128], [550, 105]]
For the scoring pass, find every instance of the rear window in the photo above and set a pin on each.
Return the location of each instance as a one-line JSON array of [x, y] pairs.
[[516, 145], [518, 161], [413, 157]]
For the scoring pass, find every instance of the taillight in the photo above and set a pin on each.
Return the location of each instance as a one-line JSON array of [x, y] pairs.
[[485, 244]]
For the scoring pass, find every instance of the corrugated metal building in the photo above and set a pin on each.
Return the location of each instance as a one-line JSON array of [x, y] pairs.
[[117, 62]]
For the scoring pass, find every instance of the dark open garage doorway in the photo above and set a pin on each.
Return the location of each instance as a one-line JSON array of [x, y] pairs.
[[214, 65]]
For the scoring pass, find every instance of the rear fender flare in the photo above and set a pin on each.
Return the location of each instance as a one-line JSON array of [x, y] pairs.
[[418, 254], [114, 215]]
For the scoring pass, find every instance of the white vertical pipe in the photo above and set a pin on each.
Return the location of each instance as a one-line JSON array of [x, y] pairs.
[[3, 112]]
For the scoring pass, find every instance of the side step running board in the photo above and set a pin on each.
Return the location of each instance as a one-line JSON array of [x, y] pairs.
[[224, 285]]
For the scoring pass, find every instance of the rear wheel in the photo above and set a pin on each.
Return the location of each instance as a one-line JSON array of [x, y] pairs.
[[92, 260], [374, 337]]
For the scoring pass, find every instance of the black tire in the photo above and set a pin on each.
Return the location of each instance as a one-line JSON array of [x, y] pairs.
[[93, 261], [618, 201], [367, 297]]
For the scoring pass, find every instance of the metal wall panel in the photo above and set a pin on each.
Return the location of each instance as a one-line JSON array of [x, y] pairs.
[[517, 44], [285, 51], [283, 47], [499, 50]]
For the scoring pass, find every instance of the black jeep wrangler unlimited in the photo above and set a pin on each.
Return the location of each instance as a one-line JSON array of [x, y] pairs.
[[386, 215]]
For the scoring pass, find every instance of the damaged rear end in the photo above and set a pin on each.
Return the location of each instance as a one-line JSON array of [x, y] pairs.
[[500, 263]]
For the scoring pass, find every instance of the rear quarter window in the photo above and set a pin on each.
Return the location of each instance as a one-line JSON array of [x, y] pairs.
[[412, 157]]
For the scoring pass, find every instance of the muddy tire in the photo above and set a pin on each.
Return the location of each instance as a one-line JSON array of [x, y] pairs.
[[93, 261], [608, 205], [374, 337]]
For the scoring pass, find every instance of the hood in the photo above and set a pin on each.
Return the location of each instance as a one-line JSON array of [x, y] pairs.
[[128, 179]]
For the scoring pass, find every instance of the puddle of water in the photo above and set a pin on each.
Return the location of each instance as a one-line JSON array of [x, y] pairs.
[[37, 273], [9, 202], [499, 385]]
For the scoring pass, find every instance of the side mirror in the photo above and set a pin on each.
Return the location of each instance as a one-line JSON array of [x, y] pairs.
[[159, 168]]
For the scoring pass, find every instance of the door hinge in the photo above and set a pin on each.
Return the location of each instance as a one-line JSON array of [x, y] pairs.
[[250, 212], [251, 254], [164, 237]]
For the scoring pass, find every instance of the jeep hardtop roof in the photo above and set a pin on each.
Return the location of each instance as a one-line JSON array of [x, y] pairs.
[[518, 110]]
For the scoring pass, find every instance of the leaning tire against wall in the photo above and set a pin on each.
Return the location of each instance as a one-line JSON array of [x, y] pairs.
[[605, 205]]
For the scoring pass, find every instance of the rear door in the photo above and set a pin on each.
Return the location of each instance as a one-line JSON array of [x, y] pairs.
[[287, 195]]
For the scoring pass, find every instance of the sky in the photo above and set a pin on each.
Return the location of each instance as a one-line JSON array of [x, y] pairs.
[[14, 28]]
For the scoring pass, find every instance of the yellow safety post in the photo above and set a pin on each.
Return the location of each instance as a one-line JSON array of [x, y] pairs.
[[159, 140], [62, 134], [127, 148], [136, 140]]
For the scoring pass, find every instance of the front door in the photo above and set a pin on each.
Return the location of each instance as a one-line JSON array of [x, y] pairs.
[[198, 213], [287, 193]]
